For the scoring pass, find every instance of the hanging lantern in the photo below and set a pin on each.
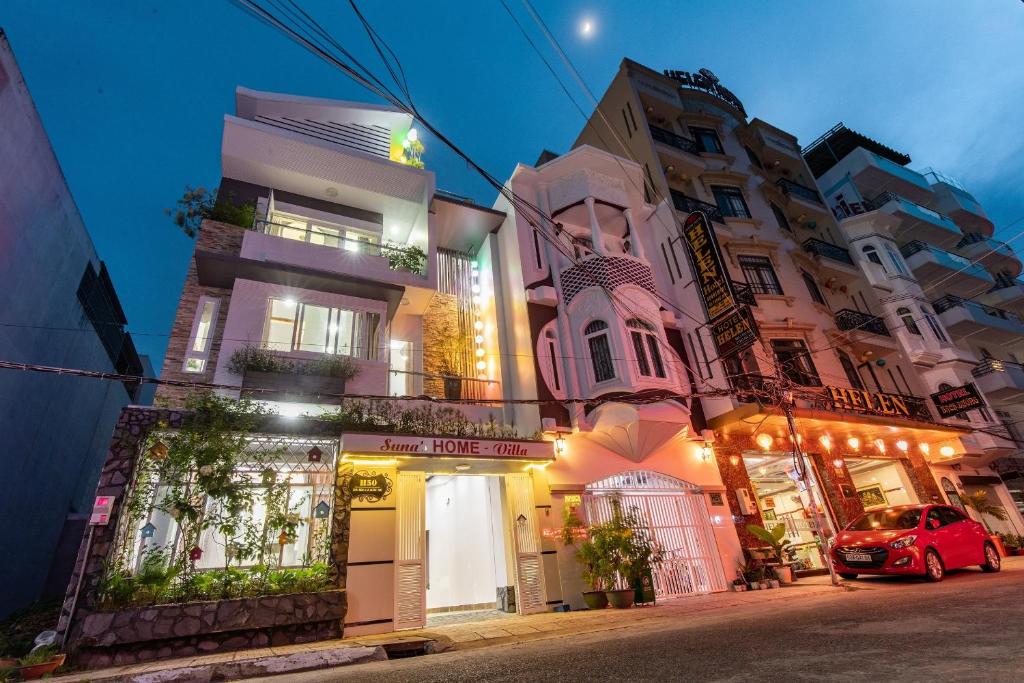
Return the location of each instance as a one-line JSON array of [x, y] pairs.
[[195, 554], [706, 452], [148, 530], [560, 445], [314, 454], [322, 510], [158, 451], [282, 539]]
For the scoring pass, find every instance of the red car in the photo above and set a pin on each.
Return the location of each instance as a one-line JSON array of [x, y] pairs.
[[922, 540]]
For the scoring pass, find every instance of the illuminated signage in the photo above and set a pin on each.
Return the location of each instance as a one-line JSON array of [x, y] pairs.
[[873, 402], [735, 332], [705, 80], [395, 444], [367, 486], [958, 400]]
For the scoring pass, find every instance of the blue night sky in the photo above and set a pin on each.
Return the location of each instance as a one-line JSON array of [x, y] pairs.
[[132, 94]]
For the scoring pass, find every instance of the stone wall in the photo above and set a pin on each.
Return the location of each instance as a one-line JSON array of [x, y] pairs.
[[216, 237], [440, 320], [100, 638]]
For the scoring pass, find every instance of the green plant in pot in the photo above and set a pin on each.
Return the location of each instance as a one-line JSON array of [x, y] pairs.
[[978, 501], [597, 573], [452, 347], [778, 552], [625, 547]]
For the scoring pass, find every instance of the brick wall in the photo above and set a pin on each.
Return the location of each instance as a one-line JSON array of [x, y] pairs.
[[216, 237]]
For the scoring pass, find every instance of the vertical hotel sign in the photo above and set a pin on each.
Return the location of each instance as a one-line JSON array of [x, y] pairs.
[[732, 326]]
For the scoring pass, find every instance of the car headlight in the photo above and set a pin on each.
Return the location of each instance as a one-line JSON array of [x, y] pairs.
[[903, 542]]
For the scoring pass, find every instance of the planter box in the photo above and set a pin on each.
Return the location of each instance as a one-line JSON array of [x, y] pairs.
[[141, 634], [289, 385]]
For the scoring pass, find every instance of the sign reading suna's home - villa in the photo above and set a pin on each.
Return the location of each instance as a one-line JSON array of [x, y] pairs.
[[397, 445]]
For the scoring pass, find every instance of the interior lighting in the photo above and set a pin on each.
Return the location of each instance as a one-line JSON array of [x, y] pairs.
[[290, 302], [947, 451], [902, 445], [461, 467], [706, 452], [477, 325], [853, 442], [378, 462], [481, 365], [925, 448], [480, 353], [479, 339], [475, 289], [765, 441], [825, 442], [880, 445]]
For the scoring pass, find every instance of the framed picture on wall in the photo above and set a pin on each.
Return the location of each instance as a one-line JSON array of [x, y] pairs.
[[768, 515], [768, 502], [872, 496]]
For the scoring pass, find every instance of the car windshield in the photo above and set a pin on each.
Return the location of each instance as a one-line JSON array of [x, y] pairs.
[[886, 520]]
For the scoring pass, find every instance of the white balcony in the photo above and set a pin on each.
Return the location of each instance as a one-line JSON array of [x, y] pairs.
[[1000, 381], [1009, 296], [874, 174], [957, 203], [918, 222], [963, 318], [997, 256], [957, 275]]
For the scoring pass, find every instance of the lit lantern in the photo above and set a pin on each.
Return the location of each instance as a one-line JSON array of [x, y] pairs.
[[560, 446], [282, 539], [195, 554], [321, 510], [314, 454], [158, 451], [853, 442], [825, 442], [947, 451], [902, 445], [734, 460], [148, 530], [765, 441], [481, 365], [838, 463], [706, 452], [880, 445]]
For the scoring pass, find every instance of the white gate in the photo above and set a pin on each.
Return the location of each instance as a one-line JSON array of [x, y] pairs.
[[529, 562], [410, 552], [675, 513]]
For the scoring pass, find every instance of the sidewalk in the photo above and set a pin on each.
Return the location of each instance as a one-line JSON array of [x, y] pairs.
[[461, 636]]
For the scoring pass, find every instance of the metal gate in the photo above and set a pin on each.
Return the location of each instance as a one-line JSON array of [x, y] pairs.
[[679, 524]]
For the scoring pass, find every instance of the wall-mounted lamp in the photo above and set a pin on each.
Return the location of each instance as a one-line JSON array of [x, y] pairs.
[[853, 442], [825, 442], [765, 441], [734, 460], [902, 445], [925, 448], [838, 463], [947, 451], [880, 445], [707, 452], [560, 446]]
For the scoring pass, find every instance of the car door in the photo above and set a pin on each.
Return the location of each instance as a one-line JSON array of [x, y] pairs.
[[970, 544], [940, 537]]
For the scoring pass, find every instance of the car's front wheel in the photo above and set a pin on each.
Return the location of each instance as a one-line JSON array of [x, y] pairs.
[[992, 561], [848, 576], [934, 570]]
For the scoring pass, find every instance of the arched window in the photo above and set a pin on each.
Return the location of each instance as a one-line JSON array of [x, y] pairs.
[[952, 495], [872, 254], [596, 334], [645, 346], [908, 321], [812, 289], [852, 376], [934, 325], [897, 260]]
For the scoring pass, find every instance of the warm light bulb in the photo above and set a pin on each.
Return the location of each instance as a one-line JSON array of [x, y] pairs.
[[481, 365], [765, 441], [706, 452], [475, 289], [560, 446], [838, 463], [479, 339], [480, 353], [413, 135], [947, 451], [880, 445], [925, 448], [734, 460], [478, 325], [902, 445], [825, 442], [853, 442]]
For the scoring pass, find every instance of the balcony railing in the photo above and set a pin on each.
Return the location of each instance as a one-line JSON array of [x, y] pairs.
[[994, 245], [849, 319], [441, 386], [674, 140], [807, 193], [990, 365], [399, 258], [744, 294], [828, 250], [949, 301], [689, 204]]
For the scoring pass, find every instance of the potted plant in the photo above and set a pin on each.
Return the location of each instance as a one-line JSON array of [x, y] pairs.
[[597, 574], [452, 346], [978, 501], [777, 542], [40, 662], [1012, 543]]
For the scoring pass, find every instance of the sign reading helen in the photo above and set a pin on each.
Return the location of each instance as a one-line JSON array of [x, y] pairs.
[[396, 444]]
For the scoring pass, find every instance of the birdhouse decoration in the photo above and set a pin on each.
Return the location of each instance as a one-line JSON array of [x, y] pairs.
[[148, 530], [195, 554], [315, 454], [158, 451], [322, 510]]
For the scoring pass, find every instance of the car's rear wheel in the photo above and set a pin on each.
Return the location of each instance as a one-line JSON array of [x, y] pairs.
[[934, 570], [848, 576], [992, 561]]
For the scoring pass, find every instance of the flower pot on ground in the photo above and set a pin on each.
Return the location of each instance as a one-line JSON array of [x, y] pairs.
[[998, 543], [620, 599], [773, 583], [452, 387], [784, 573], [595, 599], [41, 662]]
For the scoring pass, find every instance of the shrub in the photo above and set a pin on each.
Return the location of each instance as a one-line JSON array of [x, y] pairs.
[[404, 257], [342, 367], [197, 204], [257, 359]]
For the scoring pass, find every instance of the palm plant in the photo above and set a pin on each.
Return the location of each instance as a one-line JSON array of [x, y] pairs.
[[979, 502]]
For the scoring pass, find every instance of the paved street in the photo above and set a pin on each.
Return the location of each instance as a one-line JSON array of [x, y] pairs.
[[966, 628]]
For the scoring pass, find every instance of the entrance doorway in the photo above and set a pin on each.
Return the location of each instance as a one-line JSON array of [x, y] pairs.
[[782, 498], [467, 558]]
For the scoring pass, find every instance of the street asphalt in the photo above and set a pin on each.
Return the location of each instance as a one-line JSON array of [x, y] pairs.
[[967, 628]]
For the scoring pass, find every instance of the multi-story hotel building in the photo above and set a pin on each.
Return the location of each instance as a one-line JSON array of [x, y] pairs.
[[948, 291], [824, 331]]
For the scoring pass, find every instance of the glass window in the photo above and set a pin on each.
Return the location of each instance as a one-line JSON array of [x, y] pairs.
[[600, 351], [730, 201], [886, 520], [641, 353], [281, 324], [707, 139], [812, 289], [760, 275], [949, 515], [753, 157], [908, 321], [795, 362], [934, 326], [852, 376], [294, 326], [645, 345], [935, 519], [324, 235], [401, 364], [872, 254], [780, 217], [952, 495], [313, 329], [897, 262], [202, 334]]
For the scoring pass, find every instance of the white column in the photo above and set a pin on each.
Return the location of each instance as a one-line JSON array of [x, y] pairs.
[[595, 228], [635, 247]]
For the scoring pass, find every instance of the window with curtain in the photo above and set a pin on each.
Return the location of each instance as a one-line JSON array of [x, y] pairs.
[[812, 289], [296, 326], [795, 362], [760, 275], [645, 346], [730, 201], [908, 320], [596, 334], [852, 376]]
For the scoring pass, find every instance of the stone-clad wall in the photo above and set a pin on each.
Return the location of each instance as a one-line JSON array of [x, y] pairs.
[[216, 237], [440, 319], [96, 638]]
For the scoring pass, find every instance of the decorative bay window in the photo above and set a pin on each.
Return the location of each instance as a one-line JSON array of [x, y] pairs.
[[201, 338], [596, 334], [645, 346], [297, 326]]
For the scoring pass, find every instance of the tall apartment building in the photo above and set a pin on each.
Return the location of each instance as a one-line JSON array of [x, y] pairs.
[[822, 327], [948, 289], [60, 309]]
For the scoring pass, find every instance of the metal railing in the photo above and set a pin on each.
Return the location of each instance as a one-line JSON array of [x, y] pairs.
[[690, 204], [744, 294], [674, 140], [828, 250], [979, 238], [947, 259], [849, 319], [788, 187], [398, 257], [765, 288], [945, 303], [990, 365]]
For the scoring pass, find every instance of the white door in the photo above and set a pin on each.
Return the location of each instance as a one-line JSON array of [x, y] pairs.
[[529, 565], [410, 552]]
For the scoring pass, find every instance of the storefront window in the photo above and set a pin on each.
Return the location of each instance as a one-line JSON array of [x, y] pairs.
[[880, 482]]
